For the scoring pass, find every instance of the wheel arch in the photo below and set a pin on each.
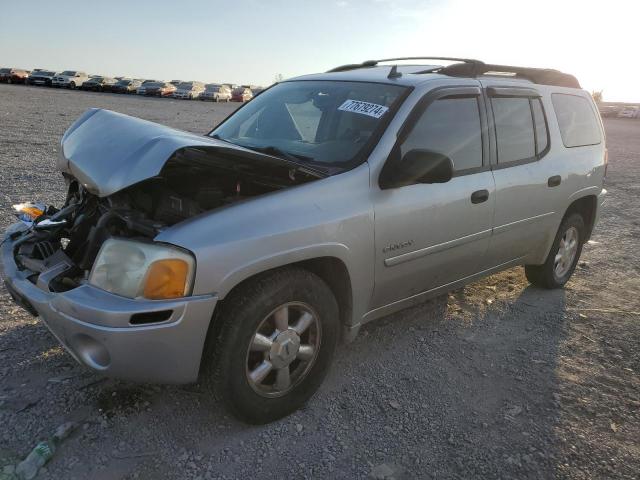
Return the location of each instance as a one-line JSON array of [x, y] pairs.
[[332, 270], [585, 203], [586, 206]]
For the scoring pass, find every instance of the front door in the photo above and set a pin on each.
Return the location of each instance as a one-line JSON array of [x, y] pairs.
[[429, 235]]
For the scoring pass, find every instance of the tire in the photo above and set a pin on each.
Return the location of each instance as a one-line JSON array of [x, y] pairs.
[[230, 361], [72, 85], [553, 273]]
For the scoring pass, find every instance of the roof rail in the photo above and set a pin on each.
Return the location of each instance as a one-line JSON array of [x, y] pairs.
[[468, 67], [373, 63], [543, 76]]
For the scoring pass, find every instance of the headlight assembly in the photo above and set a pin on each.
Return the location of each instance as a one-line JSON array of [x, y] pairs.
[[143, 270]]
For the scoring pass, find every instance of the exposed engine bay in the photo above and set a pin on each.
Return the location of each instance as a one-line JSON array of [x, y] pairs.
[[193, 181]]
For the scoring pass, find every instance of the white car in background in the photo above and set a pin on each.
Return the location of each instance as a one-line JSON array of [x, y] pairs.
[[69, 79], [216, 92], [629, 112], [188, 90]]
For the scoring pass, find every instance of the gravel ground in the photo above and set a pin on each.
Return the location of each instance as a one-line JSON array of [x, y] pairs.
[[496, 380]]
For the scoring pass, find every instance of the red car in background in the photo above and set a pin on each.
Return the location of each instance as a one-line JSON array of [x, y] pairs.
[[13, 75], [241, 94]]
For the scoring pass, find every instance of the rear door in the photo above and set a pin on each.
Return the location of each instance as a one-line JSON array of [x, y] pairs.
[[428, 235], [528, 181]]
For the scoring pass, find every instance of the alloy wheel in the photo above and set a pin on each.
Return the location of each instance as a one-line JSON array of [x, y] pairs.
[[566, 252], [283, 349]]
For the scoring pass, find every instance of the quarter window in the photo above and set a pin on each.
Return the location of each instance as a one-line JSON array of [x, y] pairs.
[[576, 119], [450, 126]]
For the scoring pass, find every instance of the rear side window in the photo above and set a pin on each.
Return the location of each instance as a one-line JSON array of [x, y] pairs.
[[514, 128], [576, 119], [450, 126], [522, 132]]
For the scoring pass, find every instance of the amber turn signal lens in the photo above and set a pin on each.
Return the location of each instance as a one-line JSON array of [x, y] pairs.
[[166, 279]]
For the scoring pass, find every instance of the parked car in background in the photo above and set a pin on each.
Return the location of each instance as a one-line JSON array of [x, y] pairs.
[[241, 94], [41, 77], [214, 92], [126, 85], [98, 84], [142, 89], [159, 89], [629, 112], [188, 90], [175, 82], [608, 110], [69, 79], [13, 75]]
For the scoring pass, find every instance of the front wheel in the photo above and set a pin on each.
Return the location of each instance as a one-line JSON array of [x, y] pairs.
[[563, 256], [72, 85], [275, 344]]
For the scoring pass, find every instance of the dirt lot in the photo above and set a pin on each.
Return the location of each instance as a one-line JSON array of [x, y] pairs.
[[497, 380]]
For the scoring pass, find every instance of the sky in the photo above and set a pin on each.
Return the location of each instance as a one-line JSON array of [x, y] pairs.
[[252, 41]]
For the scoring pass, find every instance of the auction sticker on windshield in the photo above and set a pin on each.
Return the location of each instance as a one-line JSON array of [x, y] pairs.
[[365, 108]]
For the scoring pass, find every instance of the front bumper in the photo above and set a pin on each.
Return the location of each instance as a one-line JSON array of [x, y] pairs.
[[95, 326]]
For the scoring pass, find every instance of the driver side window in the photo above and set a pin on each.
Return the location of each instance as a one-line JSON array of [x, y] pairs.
[[451, 127]]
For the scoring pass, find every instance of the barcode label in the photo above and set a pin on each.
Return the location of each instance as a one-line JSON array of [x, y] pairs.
[[365, 108]]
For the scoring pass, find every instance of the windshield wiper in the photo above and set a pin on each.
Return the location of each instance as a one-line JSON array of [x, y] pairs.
[[301, 162], [217, 137], [272, 150]]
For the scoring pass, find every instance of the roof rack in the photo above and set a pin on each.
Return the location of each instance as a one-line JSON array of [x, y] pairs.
[[373, 63], [467, 67], [543, 76]]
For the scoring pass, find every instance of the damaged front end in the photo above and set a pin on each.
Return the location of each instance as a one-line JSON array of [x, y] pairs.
[[132, 179], [117, 299]]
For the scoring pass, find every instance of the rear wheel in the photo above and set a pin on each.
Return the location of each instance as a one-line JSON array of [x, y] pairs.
[[563, 256], [275, 344]]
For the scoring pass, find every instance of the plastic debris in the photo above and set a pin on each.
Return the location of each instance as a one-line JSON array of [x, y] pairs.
[[43, 452]]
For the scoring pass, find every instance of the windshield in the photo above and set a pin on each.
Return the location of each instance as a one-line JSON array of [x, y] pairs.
[[185, 86], [124, 82], [155, 84], [68, 73], [322, 122], [5, 70], [212, 88]]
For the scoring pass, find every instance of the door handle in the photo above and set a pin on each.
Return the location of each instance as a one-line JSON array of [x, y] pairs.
[[480, 196], [554, 181]]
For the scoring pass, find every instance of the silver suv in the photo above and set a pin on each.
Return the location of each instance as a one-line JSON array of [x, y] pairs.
[[330, 200]]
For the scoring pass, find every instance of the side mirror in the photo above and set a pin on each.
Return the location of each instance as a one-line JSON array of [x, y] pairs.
[[416, 166]]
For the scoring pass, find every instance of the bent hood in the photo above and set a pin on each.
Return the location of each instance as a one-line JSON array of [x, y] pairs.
[[108, 151]]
